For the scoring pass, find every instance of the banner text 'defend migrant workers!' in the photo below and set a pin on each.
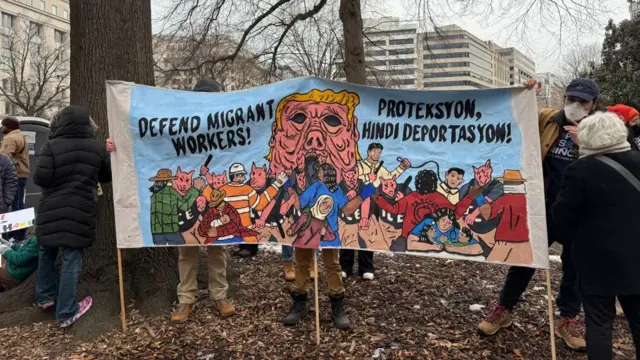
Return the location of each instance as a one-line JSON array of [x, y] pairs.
[[224, 129]]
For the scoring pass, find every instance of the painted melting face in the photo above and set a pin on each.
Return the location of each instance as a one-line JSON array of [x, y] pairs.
[[314, 128], [183, 181]]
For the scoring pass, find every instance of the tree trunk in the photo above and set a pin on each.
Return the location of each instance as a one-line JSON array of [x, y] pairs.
[[351, 17], [110, 40]]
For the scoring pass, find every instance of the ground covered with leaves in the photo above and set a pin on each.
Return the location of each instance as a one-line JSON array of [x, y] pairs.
[[416, 308]]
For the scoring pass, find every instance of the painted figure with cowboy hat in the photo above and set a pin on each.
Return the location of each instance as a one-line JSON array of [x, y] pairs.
[[164, 210], [221, 221], [512, 234]]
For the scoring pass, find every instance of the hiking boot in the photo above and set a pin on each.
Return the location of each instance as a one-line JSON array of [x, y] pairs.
[[83, 307], [182, 313], [299, 308], [289, 272], [499, 318], [225, 307], [368, 276], [312, 274], [340, 319], [566, 329]]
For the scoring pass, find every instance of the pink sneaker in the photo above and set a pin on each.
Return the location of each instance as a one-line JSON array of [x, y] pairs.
[[84, 306], [47, 305]]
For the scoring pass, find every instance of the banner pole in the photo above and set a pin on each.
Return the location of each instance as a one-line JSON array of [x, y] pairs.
[[551, 324], [123, 319], [317, 303]]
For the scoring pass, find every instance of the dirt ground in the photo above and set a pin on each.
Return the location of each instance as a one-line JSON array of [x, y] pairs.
[[416, 308]]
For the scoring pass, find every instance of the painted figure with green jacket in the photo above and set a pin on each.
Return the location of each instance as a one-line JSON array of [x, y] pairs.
[[174, 201], [18, 262]]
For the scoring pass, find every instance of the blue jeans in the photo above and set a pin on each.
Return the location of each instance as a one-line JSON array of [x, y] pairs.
[[18, 204], [287, 253], [47, 288]]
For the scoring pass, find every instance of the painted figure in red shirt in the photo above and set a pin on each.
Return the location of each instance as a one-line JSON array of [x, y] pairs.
[[423, 202], [512, 234], [222, 221]]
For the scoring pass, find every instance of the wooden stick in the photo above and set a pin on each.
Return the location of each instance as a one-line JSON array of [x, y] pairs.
[[551, 325], [315, 281], [123, 318]]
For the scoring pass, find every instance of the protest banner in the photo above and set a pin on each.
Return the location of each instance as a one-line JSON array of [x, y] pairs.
[[316, 163], [17, 220]]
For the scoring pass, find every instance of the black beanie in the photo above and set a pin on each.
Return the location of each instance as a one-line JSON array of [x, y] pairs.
[[11, 123]]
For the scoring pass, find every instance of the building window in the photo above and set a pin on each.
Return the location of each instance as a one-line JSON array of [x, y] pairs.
[[376, 43], [375, 63], [446, 55], [43, 5], [60, 37], [375, 53], [402, 72], [401, 52], [7, 21], [65, 14], [54, 10], [447, 46], [401, 62], [30, 2], [445, 37], [454, 83], [447, 65], [400, 41], [447, 74], [6, 84]]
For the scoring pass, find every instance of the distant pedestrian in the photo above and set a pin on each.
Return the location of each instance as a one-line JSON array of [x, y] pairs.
[[15, 145], [70, 166]]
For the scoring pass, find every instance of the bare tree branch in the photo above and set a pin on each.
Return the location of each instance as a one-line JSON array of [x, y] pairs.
[[33, 69]]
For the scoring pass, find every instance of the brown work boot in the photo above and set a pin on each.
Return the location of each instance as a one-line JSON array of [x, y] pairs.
[[182, 313], [225, 307], [312, 274], [289, 272], [499, 318], [567, 330]]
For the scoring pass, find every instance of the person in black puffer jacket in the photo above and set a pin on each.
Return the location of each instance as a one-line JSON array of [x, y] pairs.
[[70, 166]]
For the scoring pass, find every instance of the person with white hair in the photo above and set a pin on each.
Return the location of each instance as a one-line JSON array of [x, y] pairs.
[[596, 207]]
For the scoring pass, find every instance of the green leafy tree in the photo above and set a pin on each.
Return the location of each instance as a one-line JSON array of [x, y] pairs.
[[619, 74]]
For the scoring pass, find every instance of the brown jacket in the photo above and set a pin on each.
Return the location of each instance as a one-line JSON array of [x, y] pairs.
[[15, 145], [549, 129]]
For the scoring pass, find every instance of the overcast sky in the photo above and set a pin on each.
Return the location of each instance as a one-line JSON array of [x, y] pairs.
[[544, 44]]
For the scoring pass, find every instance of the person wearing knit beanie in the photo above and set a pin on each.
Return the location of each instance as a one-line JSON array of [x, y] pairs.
[[628, 114], [9, 124]]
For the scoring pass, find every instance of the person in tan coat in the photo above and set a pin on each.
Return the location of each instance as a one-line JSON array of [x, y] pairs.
[[15, 145]]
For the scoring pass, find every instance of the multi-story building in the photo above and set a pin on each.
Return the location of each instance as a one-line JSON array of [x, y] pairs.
[[178, 64], [446, 58], [634, 9], [521, 67], [46, 24], [552, 92]]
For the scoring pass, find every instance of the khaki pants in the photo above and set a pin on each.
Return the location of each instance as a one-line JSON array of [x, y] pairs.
[[188, 269], [331, 259]]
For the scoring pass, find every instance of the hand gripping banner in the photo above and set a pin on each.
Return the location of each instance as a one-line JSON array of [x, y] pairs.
[[321, 164]]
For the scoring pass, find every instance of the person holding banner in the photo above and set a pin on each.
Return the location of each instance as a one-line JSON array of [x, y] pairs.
[[321, 203], [15, 145], [602, 189], [69, 168], [559, 147]]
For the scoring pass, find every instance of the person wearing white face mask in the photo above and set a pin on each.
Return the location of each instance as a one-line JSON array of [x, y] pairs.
[[559, 148]]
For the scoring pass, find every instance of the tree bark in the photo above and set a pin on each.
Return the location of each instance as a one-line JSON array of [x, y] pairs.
[[354, 65], [110, 40]]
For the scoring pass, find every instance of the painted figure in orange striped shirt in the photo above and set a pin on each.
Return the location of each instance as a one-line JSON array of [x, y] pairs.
[[242, 197]]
